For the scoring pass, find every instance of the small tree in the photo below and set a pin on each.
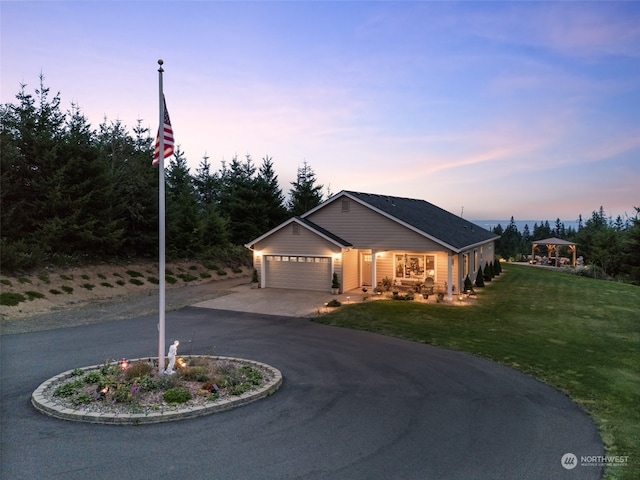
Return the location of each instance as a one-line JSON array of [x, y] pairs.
[[486, 273], [468, 284], [497, 268], [479, 278]]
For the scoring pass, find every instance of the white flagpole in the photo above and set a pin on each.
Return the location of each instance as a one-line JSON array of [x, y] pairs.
[[161, 232]]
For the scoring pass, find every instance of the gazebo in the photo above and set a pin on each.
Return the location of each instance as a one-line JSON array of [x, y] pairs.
[[553, 244]]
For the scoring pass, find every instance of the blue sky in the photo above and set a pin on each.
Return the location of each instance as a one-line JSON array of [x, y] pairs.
[[520, 109]]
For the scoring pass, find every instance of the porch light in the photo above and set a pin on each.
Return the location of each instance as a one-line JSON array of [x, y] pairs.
[[257, 253]]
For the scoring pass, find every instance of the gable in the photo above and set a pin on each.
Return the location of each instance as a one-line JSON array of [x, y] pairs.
[[366, 228], [296, 237], [418, 216]]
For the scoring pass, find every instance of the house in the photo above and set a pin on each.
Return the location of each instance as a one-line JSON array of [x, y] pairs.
[[365, 238]]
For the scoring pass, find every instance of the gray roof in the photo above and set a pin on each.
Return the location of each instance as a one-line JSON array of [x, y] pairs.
[[326, 233], [429, 219]]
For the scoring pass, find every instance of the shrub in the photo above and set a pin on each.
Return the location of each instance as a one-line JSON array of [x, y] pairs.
[[122, 283], [24, 280], [221, 272], [170, 279], [68, 278], [334, 303], [205, 275], [193, 267], [84, 276], [236, 270], [53, 291], [187, 277], [93, 377], [468, 284], [88, 286], [138, 370], [168, 272], [33, 295], [68, 389], [153, 280], [479, 278], [6, 282], [101, 276], [44, 278], [135, 281], [196, 373], [134, 274], [67, 289], [106, 284], [177, 395], [10, 299]]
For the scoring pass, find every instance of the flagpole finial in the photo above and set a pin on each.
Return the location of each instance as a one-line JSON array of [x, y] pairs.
[[160, 62]]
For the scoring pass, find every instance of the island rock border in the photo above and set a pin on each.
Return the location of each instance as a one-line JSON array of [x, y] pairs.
[[43, 404]]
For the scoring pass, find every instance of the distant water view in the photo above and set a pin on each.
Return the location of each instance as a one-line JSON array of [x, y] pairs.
[[491, 224]]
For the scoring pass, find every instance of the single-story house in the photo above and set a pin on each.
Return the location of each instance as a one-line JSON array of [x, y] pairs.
[[365, 238]]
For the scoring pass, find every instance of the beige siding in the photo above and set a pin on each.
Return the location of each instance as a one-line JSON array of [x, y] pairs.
[[350, 268], [365, 228], [305, 242]]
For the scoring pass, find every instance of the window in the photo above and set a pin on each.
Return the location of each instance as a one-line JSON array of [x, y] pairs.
[[345, 205], [296, 229], [414, 266]]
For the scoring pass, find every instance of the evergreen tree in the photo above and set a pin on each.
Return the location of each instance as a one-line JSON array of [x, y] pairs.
[[132, 196], [305, 193], [269, 196], [184, 233], [631, 249], [479, 278]]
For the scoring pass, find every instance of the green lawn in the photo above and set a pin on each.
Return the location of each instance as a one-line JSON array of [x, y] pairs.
[[577, 334]]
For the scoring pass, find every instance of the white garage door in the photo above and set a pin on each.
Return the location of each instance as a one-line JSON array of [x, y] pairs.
[[302, 273]]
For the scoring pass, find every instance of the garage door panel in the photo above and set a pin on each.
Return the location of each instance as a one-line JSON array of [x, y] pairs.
[[296, 272]]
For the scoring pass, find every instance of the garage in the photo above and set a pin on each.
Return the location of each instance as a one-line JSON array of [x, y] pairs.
[[286, 271]]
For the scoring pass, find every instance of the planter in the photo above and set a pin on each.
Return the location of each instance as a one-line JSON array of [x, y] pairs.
[[335, 291]]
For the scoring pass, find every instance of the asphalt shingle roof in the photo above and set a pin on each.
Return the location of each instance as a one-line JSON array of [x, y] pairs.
[[428, 218]]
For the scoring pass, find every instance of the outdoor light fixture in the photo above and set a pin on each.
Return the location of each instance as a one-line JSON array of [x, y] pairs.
[[460, 297], [124, 364], [182, 362]]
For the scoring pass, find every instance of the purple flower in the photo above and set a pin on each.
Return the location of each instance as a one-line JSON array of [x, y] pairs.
[[135, 389]]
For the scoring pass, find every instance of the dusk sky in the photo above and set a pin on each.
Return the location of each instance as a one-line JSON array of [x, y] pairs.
[[520, 109]]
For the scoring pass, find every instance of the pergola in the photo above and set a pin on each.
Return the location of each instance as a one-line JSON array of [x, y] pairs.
[[554, 244]]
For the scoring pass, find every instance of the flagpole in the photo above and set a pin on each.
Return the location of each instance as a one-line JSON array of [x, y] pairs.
[[161, 228]]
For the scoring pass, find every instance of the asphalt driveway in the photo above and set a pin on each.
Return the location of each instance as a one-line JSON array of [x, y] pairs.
[[353, 405]]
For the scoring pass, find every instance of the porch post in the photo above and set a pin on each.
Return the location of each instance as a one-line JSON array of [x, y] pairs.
[[263, 282], [373, 269], [449, 276]]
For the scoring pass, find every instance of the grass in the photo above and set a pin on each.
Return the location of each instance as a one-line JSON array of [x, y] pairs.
[[577, 334]]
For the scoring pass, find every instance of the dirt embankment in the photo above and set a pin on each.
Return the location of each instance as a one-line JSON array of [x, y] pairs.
[[62, 297]]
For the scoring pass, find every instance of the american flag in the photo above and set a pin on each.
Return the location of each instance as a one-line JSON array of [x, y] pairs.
[[168, 138]]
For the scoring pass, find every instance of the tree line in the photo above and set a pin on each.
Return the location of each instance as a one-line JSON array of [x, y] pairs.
[[72, 193], [611, 247]]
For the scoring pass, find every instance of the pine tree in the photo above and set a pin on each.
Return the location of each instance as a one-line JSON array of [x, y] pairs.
[[305, 193], [184, 233], [479, 278]]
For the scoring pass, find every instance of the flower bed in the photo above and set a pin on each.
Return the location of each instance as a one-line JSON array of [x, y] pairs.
[[134, 389]]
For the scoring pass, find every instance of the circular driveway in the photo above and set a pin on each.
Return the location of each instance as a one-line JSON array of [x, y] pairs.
[[353, 405]]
